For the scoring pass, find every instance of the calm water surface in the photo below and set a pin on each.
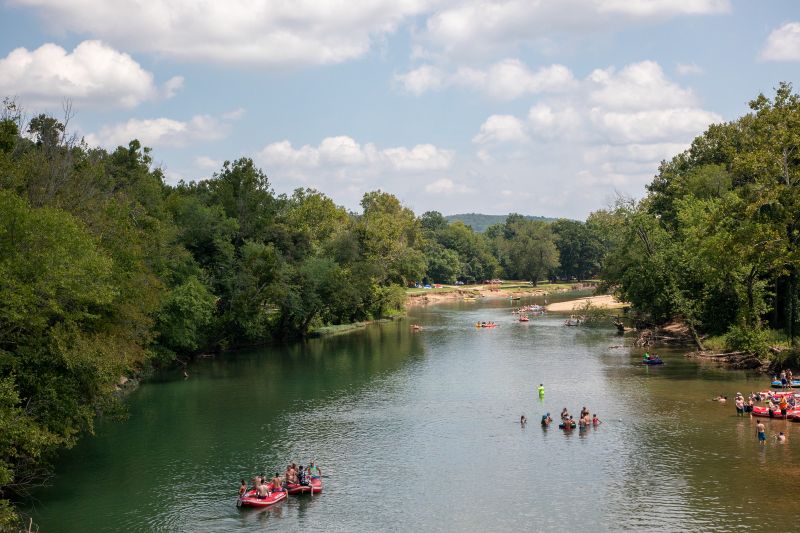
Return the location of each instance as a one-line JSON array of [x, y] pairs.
[[420, 431]]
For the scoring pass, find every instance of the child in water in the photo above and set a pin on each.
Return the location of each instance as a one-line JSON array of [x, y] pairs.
[[595, 421]]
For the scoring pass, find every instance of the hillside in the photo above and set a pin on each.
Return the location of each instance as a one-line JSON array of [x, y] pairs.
[[480, 222]]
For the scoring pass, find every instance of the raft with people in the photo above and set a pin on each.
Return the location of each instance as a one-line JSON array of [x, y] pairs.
[[766, 412], [314, 487], [252, 499], [778, 384], [485, 325]]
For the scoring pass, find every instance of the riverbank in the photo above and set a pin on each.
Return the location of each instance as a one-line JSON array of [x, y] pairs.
[[604, 301], [416, 297]]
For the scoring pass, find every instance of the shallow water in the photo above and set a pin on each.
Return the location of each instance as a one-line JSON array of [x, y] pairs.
[[421, 431]]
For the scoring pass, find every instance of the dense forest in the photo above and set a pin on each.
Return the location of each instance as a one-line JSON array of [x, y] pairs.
[[107, 271]]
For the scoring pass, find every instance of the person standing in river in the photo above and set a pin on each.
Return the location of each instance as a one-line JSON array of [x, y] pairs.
[[761, 432], [541, 391]]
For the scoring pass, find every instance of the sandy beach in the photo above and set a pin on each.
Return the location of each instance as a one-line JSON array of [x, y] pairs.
[[605, 301]]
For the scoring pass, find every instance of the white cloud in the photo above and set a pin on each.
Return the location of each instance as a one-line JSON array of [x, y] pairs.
[[475, 26], [688, 69], [158, 132], [501, 129], [422, 79], [93, 73], [300, 32], [637, 86], [612, 128], [783, 44], [447, 186], [504, 80], [207, 163], [344, 151]]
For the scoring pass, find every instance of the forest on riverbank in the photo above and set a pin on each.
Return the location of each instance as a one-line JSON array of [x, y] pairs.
[[108, 271]]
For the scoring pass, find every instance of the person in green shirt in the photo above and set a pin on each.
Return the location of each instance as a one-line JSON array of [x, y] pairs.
[[313, 471], [541, 391]]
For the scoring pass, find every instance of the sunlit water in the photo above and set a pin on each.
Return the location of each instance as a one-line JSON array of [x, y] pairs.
[[420, 431]]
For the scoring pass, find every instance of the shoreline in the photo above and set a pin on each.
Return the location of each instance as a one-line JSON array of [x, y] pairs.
[[494, 292]]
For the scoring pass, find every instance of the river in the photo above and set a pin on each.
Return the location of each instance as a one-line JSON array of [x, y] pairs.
[[420, 431]]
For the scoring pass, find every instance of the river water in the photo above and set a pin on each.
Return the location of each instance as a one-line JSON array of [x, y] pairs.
[[420, 431]]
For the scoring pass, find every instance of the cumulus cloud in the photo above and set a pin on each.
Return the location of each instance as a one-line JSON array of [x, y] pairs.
[[610, 129], [504, 80], [344, 151], [783, 44], [93, 73], [475, 26], [301, 32], [501, 129], [157, 132]]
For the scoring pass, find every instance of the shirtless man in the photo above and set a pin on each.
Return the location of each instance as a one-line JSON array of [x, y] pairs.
[[277, 483], [289, 475], [262, 488], [242, 488], [564, 415], [761, 432]]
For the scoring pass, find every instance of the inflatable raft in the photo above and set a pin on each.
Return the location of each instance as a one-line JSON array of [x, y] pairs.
[[251, 499], [763, 412], [778, 385], [654, 361], [314, 487]]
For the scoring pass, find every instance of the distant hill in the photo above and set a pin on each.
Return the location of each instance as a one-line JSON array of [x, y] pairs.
[[480, 222]]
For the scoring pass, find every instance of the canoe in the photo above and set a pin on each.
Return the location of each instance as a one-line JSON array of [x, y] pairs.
[[251, 499], [315, 487], [763, 412], [779, 385]]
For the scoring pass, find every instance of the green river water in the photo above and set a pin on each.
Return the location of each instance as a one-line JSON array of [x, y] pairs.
[[420, 431]]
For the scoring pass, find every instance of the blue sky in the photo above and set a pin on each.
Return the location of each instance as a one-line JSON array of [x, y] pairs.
[[540, 107]]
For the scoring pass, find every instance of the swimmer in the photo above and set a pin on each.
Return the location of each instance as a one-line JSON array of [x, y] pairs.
[[781, 437], [546, 420], [523, 420], [595, 421]]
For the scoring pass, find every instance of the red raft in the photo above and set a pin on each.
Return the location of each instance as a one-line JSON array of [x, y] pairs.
[[251, 499], [314, 487], [776, 413]]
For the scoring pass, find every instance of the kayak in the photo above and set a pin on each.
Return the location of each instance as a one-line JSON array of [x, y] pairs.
[[656, 361], [251, 499], [778, 385], [763, 412], [315, 487]]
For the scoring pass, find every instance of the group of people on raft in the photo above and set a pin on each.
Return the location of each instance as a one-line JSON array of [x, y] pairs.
[[777, 404], [785, 378], [647, 357], [294, 475], [568, 422]]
